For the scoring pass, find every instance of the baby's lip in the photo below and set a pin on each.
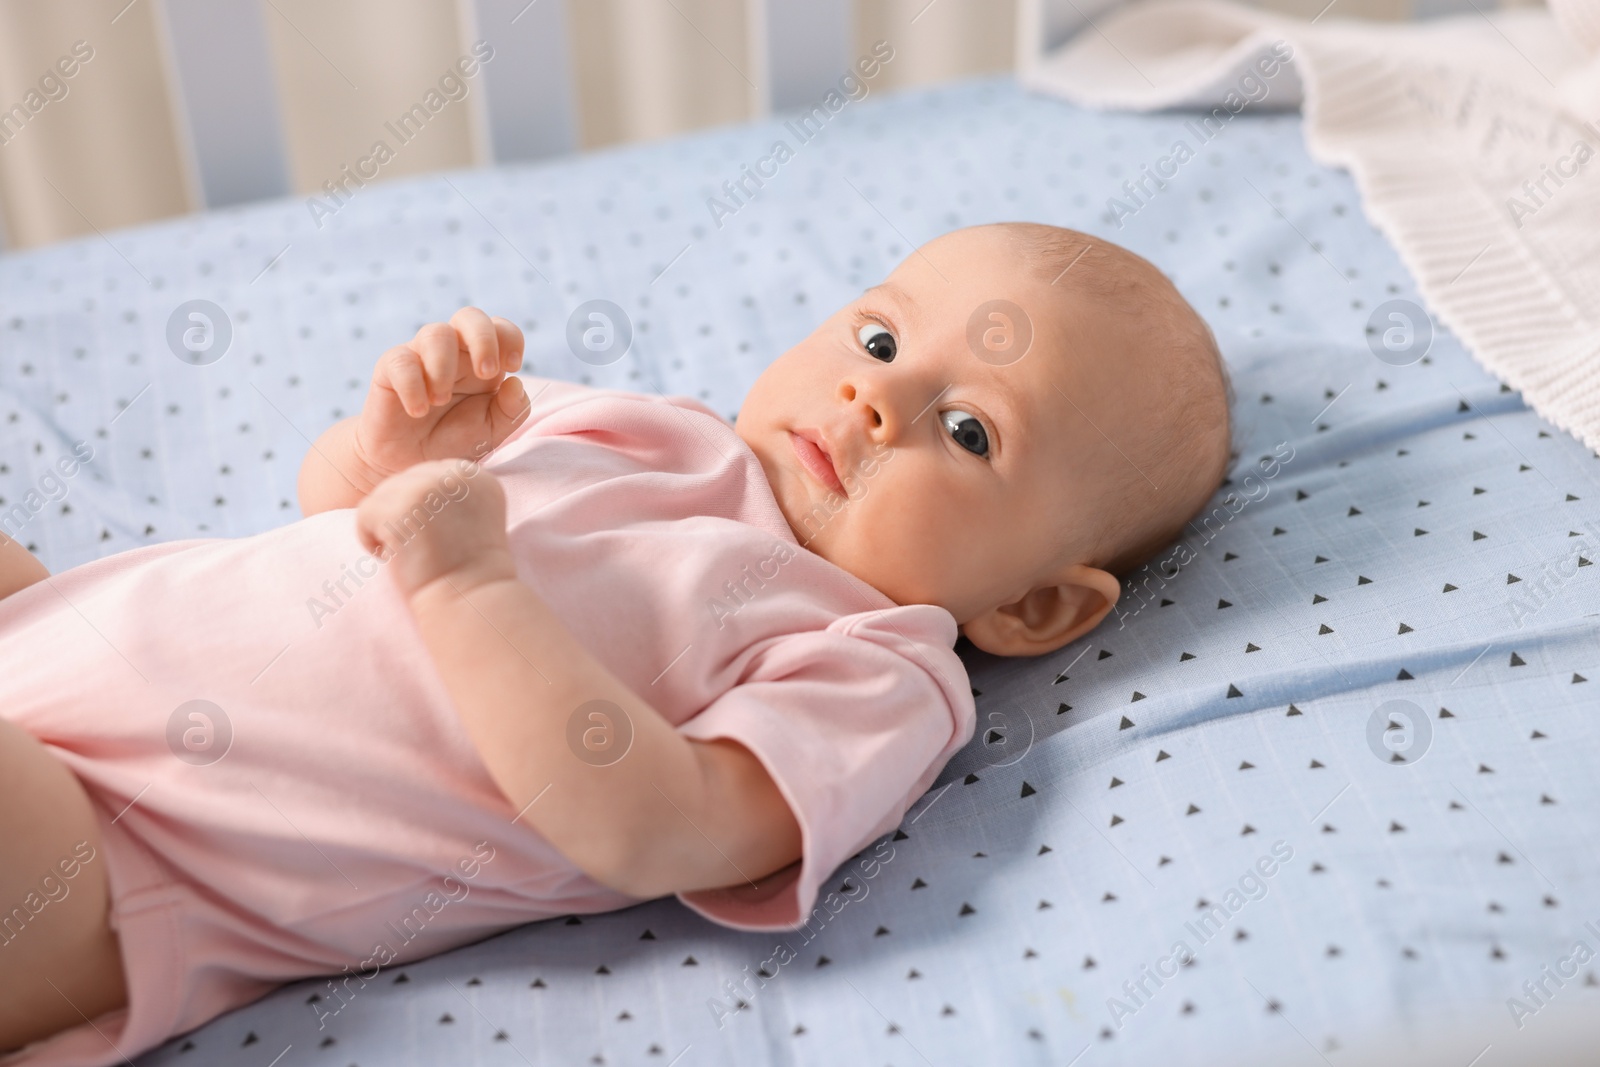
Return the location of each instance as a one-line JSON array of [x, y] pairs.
[[812, 449]]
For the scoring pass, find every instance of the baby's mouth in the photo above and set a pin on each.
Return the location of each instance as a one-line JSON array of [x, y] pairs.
[[815, 459]]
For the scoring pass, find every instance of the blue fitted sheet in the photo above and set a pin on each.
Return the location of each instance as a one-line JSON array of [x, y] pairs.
[[1423, 544]]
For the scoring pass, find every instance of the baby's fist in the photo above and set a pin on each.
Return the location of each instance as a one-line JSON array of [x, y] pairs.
[[449, 392], [442, 519]]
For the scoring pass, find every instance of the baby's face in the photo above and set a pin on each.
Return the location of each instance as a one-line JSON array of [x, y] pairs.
[[934, 475]]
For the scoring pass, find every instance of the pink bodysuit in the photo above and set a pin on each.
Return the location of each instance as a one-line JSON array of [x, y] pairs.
[[285, 790]]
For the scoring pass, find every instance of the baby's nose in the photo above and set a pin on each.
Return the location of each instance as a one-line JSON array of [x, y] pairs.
[[871, 407]]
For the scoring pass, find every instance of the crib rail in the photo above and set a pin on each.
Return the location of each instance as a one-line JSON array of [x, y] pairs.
[[114, 112]]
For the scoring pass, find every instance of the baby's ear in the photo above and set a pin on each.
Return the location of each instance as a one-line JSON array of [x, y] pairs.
[[1048, 616]]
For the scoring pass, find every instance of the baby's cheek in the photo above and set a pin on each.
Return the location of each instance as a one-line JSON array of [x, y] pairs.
[[894, 549]]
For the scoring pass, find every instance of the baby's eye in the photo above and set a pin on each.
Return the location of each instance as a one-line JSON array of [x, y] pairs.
[[878, 342], [967, 430]]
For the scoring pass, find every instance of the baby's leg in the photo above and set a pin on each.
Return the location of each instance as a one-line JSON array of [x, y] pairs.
[[18, 567], [60, 961]]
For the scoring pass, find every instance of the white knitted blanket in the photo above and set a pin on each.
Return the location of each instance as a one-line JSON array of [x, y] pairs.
[[1473, 140]]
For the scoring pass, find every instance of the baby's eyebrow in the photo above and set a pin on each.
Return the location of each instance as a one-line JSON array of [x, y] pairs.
[[893, 291]]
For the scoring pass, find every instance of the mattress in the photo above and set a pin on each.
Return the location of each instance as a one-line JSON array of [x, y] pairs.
[[1332, 774]]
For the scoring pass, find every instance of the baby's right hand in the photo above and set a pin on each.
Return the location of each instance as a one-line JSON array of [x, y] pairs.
[[448, 394]]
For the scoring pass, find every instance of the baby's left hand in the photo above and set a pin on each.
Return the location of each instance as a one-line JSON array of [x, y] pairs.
[[442, 519]]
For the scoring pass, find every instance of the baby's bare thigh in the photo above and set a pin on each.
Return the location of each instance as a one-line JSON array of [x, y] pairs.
[[59, 958], [18, 567]]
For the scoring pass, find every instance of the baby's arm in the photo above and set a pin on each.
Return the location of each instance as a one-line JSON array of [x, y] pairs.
[[448, 393], [672, 814], [333, 474]]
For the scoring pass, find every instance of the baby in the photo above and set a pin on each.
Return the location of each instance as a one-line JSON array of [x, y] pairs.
[[599, 647]]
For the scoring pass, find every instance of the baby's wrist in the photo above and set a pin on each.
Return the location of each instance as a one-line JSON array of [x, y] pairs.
[[464, 580], [368, 473]]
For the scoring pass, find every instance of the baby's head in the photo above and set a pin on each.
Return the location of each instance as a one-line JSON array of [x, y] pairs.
[[922, 440]]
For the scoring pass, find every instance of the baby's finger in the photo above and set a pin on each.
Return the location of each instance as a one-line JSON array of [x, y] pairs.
[[510, 344], [509, 407], [440, 348], [481, 340], [402, 368]]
